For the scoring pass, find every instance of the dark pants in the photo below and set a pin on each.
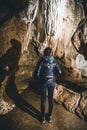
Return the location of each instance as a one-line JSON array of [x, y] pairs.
[[44, 87]]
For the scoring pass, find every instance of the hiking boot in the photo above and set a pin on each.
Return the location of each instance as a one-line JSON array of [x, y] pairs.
[[49, 119], [43, 120]]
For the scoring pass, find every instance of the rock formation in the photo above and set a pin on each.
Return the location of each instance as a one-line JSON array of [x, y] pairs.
[[33, 26]]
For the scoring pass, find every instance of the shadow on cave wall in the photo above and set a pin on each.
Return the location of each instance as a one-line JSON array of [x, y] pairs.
[[8, 67], [9, 61]]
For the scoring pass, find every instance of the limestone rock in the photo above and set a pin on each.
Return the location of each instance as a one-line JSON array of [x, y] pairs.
[[81, 64], [57, 15], [27, 64], [67, 97], [30, 11], [82, 108], [5, 107], [79, 38], [73, 101]]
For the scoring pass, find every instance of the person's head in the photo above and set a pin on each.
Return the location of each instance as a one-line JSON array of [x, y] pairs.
[[47, 51]]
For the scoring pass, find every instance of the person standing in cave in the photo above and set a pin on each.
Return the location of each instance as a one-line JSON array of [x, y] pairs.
[[47, 69]]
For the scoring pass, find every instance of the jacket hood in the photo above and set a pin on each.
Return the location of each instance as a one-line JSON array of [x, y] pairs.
[[49, 59]]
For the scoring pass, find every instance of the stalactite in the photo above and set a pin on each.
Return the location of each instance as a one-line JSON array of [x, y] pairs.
[[30, 11]]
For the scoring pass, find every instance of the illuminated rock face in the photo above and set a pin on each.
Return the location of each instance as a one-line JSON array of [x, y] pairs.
[[55, 23], [60, 22]]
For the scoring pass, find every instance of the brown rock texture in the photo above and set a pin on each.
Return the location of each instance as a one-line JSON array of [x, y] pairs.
[[73, 101], [25, 35], [82, 108]]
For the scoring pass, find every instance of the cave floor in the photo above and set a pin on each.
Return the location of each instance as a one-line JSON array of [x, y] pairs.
[[25, 116]]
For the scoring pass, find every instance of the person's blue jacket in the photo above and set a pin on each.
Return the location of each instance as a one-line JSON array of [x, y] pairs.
[[47, 68]]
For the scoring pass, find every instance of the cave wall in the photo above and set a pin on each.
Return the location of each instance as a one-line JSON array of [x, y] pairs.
[[51, 19], [25, 34]]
